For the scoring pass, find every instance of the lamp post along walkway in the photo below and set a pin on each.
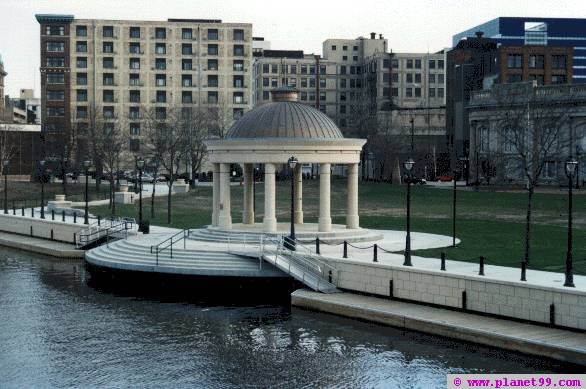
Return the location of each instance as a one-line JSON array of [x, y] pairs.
[[570, 169]]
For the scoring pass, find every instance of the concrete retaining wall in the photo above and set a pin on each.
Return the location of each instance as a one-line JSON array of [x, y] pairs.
[[511, 299], [41, 228]]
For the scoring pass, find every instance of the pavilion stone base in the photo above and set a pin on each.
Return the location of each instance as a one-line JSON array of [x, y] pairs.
[[305, 232]]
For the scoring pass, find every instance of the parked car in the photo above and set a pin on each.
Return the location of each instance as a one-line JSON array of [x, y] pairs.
[[419, 181], [445, 178]]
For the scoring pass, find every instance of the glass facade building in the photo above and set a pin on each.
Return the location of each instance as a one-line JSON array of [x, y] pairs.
[[537, 31]]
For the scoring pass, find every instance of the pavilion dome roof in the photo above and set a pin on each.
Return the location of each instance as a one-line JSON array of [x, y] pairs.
[[284, 117]]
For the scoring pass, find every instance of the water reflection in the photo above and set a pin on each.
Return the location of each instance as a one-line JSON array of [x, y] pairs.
[[58, 331]]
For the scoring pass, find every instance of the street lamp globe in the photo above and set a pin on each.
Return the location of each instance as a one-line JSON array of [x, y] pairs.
[[42, 162], [6, 163], [140, 163], [292, 162], [571, 168], [408, 164], [86, 164]]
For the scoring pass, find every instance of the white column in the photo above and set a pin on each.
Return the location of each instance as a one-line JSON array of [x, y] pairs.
[[325, 220], [248, 213], [225, 217], [270, 221], [352, 220], [298, 194], [216, 195]]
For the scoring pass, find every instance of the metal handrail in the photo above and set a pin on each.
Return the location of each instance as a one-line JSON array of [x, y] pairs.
[[183, 235], [98, 228]]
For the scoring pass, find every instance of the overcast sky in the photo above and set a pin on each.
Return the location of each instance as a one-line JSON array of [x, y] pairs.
[[409, 25]]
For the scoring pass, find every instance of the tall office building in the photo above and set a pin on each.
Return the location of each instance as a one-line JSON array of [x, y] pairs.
[[519, 31], [122, 67]]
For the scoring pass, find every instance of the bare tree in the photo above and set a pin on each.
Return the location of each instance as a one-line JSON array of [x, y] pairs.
[[7, 148], [164, 138], [199, 123], [534, 124]]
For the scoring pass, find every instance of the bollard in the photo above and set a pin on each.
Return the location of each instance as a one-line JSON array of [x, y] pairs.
[[523, 270], [375, 257], [32, 212], [330, 276], [443, 265], [75, 217], [317, 245], [22, 209], [63, 215], [13, 209], [31, 230], [52, 214], [464, 300], [74, 238], [100, 220], [391, 289], [552, 314], [51, 234], [345, 249], [481, 270]]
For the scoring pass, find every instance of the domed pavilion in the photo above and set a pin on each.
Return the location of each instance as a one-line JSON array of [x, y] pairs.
[[270, 135]]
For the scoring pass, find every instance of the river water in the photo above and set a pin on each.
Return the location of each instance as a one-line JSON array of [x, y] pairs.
[[57, 331]]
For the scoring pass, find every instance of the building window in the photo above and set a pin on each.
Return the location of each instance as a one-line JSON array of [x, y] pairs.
[[283, 69], [55, 78], [514, 78], [212, 34], [409, 78], [322, 96], [81, 31], [342, 109], [134, 63], [237, 113], [213, 49], [312, 82], [186, 49], [343, 69], [265, 67], [311, 96], [238, 81], [265, 81], [265, 95], [81, 79], [559, 79], [238, 65], [418, 78], [160, 33], [108, 32], [395, 63], [160, 80], [186, 97], [334, 47], [440, 78], [108, 96], [108, 47], [394, 92], [303, 69], [56, 111], [515, 61], [81, 62], [409, 92], [409, 64], [322, 69], [186, 33], [108, 63], [160, 63], [81, 112], [483, 140], [134, 48], [432, 78], [134, 96], [274, 82], [212, 97], [53, 95], [386, 63], [161, 96], [344, 58], [212, 64], [417, 64], [134, 113], [55, 30], [394, 77], [238, 35], [134, 32], [55, 62], [212, 81], [135, 129], [432, 63], [558, 61], [417, 92], [134, 79], [56, 47], [440, 63], [160, 113], [81, 46], [440, 92], [238, 50], [432, 92], [186, 80], [537, 77], [293, 69], [160, 48], [293, 82], [322, 82], [536, 61], [238, 97], [134, 145], [108, 79], [186, 64], [355, 58]]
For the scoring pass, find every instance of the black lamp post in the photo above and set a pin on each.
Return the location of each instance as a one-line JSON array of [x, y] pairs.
[[454, 210], [140, 166], [290, 241], [42, 169], [255, 172], [571, 165], [86, 165], [6, 163], [408, 165]]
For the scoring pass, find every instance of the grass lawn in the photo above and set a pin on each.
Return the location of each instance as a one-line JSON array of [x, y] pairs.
[[489, 223], [29, 193]]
